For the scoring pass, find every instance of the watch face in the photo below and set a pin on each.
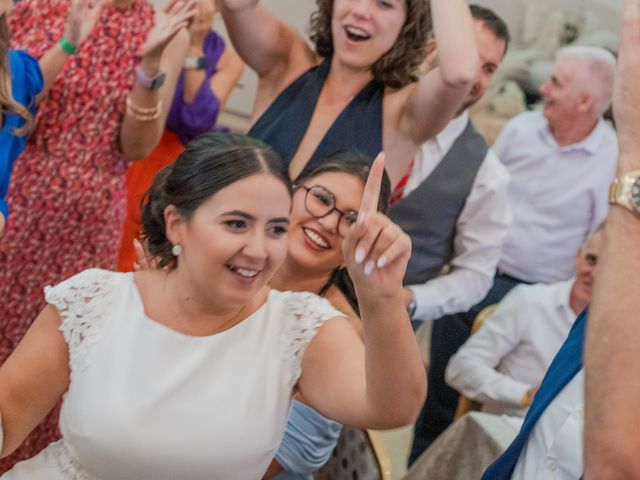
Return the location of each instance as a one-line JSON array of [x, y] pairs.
[[157, 81], [635, 193]]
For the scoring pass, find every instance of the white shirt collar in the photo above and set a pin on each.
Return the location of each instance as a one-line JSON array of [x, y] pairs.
[[589, 144], [452, 131], [563, 298]]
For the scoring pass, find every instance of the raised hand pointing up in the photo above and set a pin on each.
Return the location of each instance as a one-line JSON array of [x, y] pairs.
[[376, 249]]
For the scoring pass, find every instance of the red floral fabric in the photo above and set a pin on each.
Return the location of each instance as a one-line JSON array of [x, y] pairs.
[[68, 193]]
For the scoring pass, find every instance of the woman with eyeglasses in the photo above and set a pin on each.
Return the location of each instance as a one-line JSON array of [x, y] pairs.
[[188, 371]]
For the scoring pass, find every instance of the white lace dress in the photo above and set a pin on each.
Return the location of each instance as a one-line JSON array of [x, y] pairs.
[[146, 402]]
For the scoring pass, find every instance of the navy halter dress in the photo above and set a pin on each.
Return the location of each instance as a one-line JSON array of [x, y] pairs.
[[284, 124]]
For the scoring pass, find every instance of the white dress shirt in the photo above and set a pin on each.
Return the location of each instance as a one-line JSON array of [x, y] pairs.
[[554, 449], [481, 227], [558, 195], [513, 350]]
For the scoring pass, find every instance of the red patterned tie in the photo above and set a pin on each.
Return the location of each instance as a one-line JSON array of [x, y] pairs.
[[398, 192]]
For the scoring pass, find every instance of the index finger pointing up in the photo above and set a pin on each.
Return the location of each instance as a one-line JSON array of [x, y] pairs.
[[371, 195]]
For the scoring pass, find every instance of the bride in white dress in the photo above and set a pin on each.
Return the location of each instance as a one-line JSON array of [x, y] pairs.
[[188, 372]]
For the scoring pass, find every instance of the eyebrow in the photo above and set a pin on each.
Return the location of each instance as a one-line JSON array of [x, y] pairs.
[[248, 216], [238, 213]]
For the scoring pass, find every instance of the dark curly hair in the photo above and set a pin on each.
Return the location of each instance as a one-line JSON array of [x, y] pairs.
[[396, 68], [208, 164]]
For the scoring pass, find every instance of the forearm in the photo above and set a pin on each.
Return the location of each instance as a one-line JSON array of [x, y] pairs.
[[612, 352], [395, 375], [454, 292], [263, 41], [478, 381], [140, 133], [455, 37], [439, 94], [51, 64], [138, 136], [193, 78]]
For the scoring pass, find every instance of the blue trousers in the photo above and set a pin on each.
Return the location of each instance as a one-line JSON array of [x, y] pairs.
[[448, 335]]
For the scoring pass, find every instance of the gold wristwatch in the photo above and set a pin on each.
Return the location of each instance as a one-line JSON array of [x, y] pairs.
[[625, 191]]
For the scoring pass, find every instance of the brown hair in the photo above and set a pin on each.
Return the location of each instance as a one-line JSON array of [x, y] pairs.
[[396, 68], [7, 103], [208, 164]]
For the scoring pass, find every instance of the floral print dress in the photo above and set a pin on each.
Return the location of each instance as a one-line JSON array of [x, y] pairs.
[[68, 192]]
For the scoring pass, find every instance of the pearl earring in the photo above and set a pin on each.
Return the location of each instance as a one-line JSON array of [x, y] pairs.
[[176, 250]]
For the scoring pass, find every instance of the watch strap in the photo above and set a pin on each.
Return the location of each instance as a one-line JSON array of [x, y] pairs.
[[152, 83], [195, 63]]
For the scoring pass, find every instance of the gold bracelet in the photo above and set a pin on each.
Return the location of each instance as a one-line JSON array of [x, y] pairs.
[[144, 118], [144, 110], [146, 115]]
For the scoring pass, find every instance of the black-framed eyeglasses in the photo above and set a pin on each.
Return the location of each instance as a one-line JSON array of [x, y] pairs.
[[320, 203]]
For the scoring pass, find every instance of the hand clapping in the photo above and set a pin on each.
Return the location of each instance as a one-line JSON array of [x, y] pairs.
[[177, 16]]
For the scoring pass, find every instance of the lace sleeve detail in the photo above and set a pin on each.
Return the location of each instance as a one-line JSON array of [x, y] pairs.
[[305, 313], [79, 302]]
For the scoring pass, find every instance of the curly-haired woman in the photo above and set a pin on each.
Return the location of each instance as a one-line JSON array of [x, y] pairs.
[[363, 73]]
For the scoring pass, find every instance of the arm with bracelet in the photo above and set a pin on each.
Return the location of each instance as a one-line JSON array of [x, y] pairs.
[[162, 57], [81, 19]]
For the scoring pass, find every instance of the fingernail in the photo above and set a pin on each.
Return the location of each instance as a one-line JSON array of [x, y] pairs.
[[360, 254], [382, 261], [360, 217], [368, 268]]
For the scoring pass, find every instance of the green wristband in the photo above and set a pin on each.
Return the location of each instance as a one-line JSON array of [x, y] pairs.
[[67, 46]]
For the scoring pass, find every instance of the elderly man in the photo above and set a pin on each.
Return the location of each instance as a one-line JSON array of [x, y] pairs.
[[502, 365], [555, 419], [561, 161]]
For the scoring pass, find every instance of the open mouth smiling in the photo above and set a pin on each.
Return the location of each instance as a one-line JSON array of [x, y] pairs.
[[245, 273], [356, 34], [316, 238]]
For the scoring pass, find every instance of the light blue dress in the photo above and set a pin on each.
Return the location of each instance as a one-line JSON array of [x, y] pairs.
[[26, 83], [307, 444]]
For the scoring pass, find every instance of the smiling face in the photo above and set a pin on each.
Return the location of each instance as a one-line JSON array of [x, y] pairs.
[[235, 240], [364, 30], [314, 243], [563, 95]]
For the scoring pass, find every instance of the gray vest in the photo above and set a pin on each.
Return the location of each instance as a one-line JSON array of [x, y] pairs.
[[429, 213]]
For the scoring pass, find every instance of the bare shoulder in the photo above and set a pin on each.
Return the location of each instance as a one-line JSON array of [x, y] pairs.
[[340, 302]]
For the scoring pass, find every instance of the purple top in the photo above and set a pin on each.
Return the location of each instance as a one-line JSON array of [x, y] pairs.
[[188, 120]]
